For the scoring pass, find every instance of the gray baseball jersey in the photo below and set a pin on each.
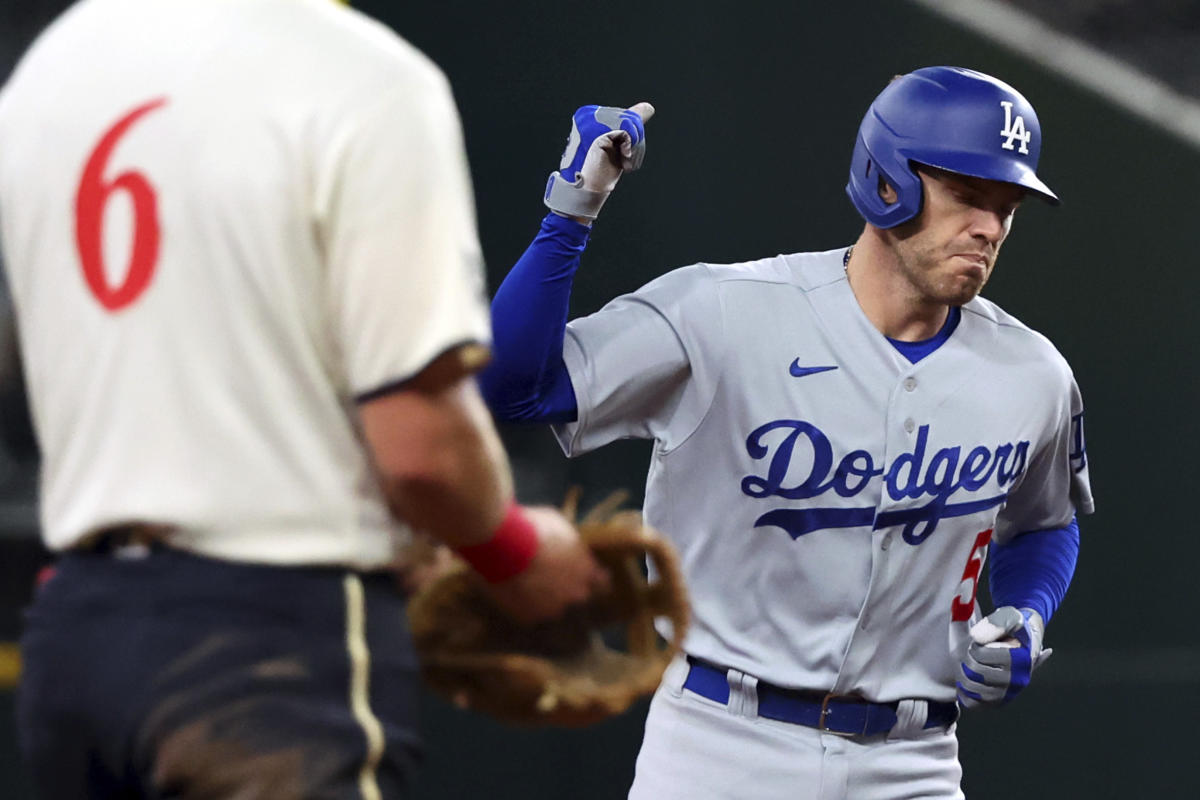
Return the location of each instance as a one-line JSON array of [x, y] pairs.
[[831, 501]]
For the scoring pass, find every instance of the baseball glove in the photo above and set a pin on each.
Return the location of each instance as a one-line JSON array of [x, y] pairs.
[[561, 672]]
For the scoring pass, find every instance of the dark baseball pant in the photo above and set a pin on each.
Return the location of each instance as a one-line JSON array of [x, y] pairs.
[[175, 676]]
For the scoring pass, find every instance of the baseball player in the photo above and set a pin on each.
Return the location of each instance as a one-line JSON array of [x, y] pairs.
[[242, 252], [841, 439]]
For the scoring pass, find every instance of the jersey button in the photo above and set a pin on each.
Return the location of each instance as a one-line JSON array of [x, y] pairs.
[[909, 425], [910, 384], [887, 541]]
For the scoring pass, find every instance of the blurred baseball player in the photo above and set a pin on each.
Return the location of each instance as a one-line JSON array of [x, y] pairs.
[[242, 252], [840, 438]]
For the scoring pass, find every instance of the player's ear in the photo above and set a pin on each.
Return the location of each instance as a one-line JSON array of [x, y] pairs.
[[886, 192]]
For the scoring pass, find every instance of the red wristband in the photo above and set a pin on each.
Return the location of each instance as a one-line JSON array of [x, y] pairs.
[[508, 552]]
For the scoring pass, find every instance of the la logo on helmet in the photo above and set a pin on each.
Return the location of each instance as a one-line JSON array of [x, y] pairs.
[[1014, 129]]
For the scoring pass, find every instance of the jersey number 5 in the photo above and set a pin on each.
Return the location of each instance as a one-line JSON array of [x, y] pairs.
[[964, 606], [90, 200]]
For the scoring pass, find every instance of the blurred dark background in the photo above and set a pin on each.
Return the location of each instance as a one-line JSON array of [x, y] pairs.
[[758, 104]]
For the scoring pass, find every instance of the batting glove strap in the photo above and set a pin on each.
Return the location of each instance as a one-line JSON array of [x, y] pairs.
[[571, 199]]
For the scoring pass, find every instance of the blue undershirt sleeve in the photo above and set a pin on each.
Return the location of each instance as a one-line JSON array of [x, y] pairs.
[[1034, 569], [527, 380]]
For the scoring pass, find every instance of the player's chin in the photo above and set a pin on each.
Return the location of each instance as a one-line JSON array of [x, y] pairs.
[[964, 297], [962, 288]]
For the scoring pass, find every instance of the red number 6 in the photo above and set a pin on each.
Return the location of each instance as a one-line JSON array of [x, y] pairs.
[[962, 609], [90, 200]]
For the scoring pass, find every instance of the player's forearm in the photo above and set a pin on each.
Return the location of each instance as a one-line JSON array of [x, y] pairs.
[[1034, 569], [440, 461], [527, 379]]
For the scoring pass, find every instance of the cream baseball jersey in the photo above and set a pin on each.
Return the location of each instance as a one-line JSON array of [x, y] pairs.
[[831, 501], [222, 225]]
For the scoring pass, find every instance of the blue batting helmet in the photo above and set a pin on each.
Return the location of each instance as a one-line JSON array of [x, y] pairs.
[[947, 117]]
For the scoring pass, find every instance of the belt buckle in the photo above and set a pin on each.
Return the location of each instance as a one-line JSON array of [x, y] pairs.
[[825, 713]]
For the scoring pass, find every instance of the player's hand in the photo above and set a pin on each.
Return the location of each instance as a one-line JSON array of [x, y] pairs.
[[605, 142], [423, 561], [562, 573], [1005, 649]]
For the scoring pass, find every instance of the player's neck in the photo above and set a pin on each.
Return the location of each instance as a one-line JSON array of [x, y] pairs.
[[889, 301]]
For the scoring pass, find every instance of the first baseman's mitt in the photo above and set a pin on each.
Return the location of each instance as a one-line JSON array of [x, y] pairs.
[[560, 672]]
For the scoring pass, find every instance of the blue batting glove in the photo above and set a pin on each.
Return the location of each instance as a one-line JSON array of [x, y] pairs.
[[604, 143], [1006, 648], [592, 122]]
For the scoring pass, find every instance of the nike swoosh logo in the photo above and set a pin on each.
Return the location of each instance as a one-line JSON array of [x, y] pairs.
[[799, 371]]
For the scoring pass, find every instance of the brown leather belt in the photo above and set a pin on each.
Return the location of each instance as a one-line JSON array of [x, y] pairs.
[[131, 537]]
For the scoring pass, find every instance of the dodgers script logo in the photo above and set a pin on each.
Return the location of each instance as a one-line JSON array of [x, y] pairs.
[[913, 475], [1014, 129]]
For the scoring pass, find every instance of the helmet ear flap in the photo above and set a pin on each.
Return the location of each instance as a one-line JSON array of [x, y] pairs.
[[905, 181], [866, 172]]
